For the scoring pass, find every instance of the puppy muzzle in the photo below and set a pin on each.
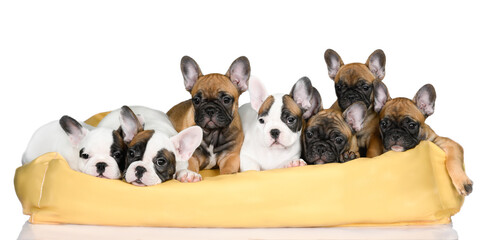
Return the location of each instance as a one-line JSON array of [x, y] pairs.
[[321, 153], [212, 116]]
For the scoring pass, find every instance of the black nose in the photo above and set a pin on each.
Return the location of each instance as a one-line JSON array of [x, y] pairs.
[[139, 171], [210, 111], [274, 133], [100, 167], [395, 137]]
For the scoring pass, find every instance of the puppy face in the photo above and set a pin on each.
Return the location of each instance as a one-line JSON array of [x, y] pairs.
[[281, 116], [215, 96], [402, 120], [330, 135], [101, 150], [152, 156], [354, 82]]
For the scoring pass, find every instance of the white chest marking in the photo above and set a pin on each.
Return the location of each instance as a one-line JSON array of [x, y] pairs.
[[212, 158]]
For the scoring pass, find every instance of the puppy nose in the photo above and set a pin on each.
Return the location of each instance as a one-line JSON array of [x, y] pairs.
[[139, 171], [210, 111], [274, 133], [395, 137], [100, 167]]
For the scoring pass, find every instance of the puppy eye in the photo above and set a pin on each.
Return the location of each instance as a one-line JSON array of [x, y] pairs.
[[412, 125], [338, 87], [309, 134], [84, 155], [161, 161], [261, 120], [383, 124], [131, 153], [226, 100], [117, 155], [366, 87], [338, 140], [196, 100], [290, 120]]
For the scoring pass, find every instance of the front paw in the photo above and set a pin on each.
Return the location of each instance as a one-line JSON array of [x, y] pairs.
[[295, 163], [348, 156], [188, 176], [464, 185]]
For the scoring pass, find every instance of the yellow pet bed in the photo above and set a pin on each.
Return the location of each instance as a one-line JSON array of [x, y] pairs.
[[406, 188]]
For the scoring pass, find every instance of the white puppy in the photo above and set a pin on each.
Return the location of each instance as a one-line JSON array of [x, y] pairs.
[[97, 151], [156, 153], [272, 125]]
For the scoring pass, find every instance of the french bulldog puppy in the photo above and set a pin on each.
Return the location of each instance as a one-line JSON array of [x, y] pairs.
[[99, 152], [272, 125], [402, 127], [214, 107], [330, 135], [156, 152], [354, 83]]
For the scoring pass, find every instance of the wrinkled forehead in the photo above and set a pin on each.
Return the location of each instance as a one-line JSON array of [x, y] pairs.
[[211, 85], [354, 72], [399, 108], [328, 120], [157, 144], [100, 140]]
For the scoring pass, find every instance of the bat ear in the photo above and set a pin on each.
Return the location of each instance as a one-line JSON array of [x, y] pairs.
[[381, 95], [239, 73], [258, 93], [376, 63], [190, 71], [75, 131], [333, 61], [186, 142], [354, 115], [306, 97], [129, 123], [425, 99]]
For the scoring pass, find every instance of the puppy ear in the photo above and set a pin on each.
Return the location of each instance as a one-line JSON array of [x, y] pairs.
[[306, 97], [333, 61], [316, 104], [381, 95], [376, 63], [186, 142], [73, 129], [129, 123], [258, 93], [190, 72], [354, 115], [425, 99], [239, 73]]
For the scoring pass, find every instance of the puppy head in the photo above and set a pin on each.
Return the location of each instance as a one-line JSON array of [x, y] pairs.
[[281, 116], [152, 155], [102, 150], [329, 134], [354, 82], [215, 96], [402, 120]]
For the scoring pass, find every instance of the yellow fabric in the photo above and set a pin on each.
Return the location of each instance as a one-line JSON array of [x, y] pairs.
[[393, 189]]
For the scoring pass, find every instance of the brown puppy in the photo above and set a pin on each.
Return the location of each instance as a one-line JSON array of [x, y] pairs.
[[330, 135], [354, 83], [213, 107], [402, 127]]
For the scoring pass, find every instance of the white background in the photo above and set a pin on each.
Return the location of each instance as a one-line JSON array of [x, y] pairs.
[[84, 57]]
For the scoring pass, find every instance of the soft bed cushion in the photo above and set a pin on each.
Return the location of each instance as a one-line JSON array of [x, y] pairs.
[[406, 188]]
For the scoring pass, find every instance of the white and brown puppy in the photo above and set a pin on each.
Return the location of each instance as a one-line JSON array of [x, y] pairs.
[[273, 124], [156, 153], [96, 151]]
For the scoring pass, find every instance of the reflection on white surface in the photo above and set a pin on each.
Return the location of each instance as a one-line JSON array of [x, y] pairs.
[[74, 232]]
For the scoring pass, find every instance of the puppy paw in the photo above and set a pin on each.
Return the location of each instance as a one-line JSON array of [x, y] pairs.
[[464, 186], [188, 176], [348, 156], [295, 163]]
